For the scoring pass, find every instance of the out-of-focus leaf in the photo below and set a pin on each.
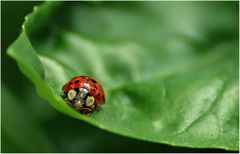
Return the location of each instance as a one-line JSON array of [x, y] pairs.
[[169, 69], [19, 128]]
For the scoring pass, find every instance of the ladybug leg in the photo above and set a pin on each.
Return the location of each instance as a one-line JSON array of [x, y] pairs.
[[87, 111], [67, 101]]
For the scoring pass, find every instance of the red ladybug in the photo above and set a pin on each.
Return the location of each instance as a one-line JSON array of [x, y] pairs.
[[83, 93]]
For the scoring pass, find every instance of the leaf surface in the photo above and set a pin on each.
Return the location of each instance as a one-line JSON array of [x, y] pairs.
[[170, 74]]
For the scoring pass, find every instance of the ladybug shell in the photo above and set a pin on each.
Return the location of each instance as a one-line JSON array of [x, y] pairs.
[[88, 83]]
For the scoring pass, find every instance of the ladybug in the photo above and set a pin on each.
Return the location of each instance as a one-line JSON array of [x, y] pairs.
[[83, 93]]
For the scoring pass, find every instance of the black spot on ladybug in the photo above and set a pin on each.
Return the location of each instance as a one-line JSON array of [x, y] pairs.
[[98, 94], [76, 89], [94, 88], [94, 81], [70, 83], [88, 94], [76, 82]]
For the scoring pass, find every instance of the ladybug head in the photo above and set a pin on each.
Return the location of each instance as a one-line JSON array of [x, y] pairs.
[[81, 99]]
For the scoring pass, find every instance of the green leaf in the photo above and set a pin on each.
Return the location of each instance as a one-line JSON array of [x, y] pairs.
[[169, 69]]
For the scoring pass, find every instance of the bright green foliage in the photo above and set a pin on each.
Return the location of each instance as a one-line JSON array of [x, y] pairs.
[[169, 69]]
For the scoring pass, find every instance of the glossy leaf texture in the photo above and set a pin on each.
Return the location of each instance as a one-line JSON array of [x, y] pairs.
[[169, 69]]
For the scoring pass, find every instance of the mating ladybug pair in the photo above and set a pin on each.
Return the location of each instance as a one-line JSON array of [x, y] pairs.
[[83, 93]]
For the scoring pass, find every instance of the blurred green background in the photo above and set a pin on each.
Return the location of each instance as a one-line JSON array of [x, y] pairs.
[[31, 125]]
